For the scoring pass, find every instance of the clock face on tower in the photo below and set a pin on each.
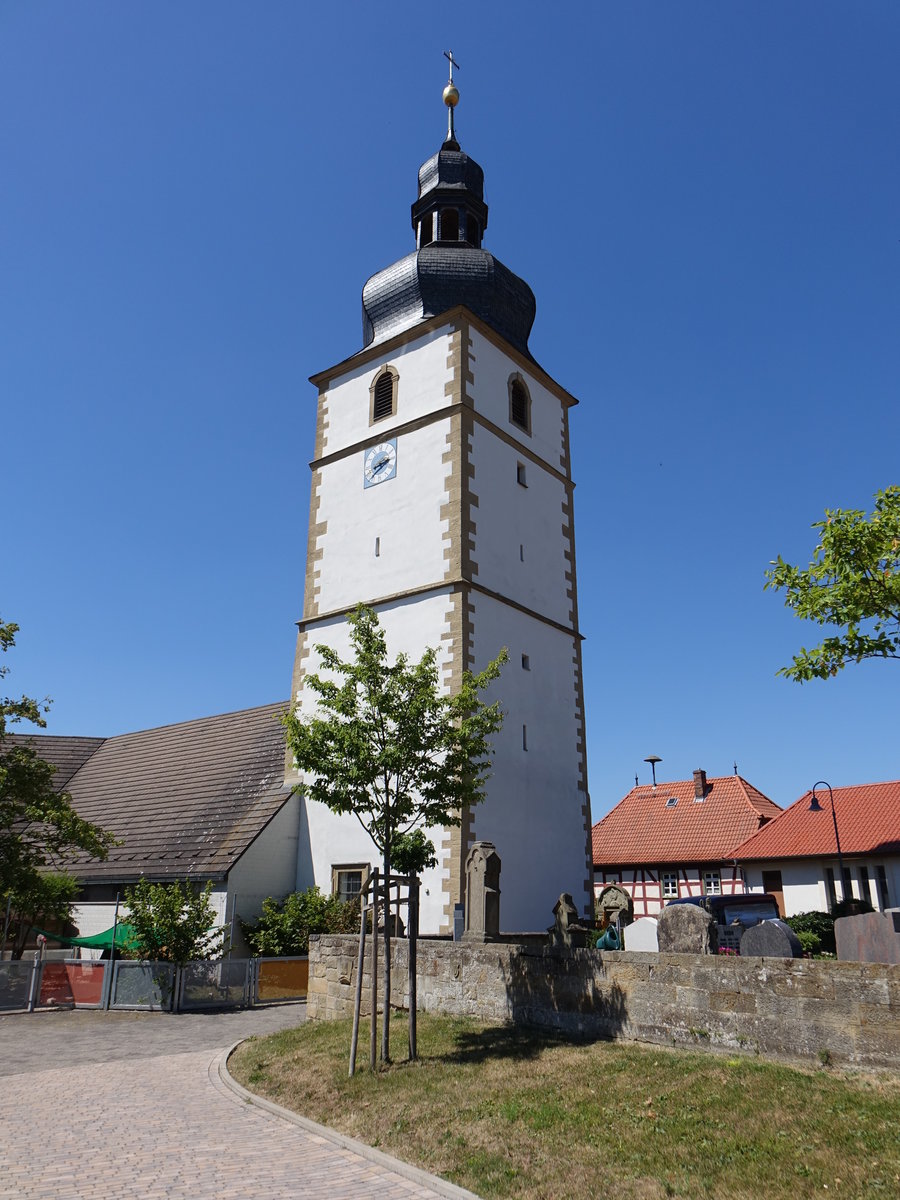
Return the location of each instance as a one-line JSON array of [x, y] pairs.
[[380, 463]]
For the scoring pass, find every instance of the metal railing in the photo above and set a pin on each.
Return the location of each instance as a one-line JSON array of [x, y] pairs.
[[151, 986]]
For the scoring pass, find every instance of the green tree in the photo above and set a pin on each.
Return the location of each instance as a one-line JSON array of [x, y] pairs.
[[389, 747], [172, 922], [284, 926], [39, 827], [46, 899], [852, 583]]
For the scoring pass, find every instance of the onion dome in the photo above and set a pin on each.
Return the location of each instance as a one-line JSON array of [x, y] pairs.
[[449, 266]]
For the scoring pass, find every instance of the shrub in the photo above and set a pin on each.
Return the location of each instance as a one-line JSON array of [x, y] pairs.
[[851, 907], [818, 928], [283, 927]]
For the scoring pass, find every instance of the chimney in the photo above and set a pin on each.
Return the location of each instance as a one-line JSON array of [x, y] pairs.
[[700, 786]]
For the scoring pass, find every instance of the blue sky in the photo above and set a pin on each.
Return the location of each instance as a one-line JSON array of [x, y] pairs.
[[704, 198]]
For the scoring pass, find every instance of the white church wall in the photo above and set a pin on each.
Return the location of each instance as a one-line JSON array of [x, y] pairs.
[[422, 368], [268, 867], [490, 392], [403, 513], [533, 813], [519, 547], [327, 840]]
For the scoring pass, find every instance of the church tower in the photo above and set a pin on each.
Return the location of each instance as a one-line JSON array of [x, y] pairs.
[[442, 497]]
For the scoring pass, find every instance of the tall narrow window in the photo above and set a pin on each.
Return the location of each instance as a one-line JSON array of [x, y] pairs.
[[884, 899], [669, 884], [519, 403], [473, 234], [520, 475], [521, 552], [524, 737], [449, 225], [383, 395], [865, 885], [829, 889], [426, 228], [526, 663]]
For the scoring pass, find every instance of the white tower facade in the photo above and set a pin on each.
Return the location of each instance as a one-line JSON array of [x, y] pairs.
[[442, 498]]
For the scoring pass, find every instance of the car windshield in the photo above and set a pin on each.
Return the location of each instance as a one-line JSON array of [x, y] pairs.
[[749, 913]]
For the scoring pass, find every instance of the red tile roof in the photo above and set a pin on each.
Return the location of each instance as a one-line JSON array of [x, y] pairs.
[[642, 829], [868, 820]]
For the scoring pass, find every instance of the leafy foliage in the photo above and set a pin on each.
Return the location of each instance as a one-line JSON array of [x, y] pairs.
[[46, 899], [284, 926], [172, 922], [413, 853], [387, 745], [852, 583], [815, 931], [38, 825], [851, 907]]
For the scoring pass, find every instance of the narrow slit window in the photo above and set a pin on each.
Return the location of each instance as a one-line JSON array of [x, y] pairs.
[[521, 552], [378, 547], [526, 663], [524, 737], [520, 475], [883, 894], [426, 228]]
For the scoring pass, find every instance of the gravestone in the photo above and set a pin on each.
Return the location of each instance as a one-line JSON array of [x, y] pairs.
[[642, 935], [771, 939], [869, 937], [687, 929], [567, 929], [614, 906], [482, 893]]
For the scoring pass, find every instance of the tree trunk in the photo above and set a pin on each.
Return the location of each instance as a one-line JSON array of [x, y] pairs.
[[386, 1018]]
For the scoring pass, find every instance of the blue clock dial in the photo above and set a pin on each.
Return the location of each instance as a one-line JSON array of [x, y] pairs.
[[380, 463]]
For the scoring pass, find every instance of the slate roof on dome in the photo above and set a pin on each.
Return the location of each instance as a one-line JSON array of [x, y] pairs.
[[643, 828], [186, 800], [448, 268], [868, 818]]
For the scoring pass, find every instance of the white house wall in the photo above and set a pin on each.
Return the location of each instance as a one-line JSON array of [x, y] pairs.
[[803, 882], [266, 868]]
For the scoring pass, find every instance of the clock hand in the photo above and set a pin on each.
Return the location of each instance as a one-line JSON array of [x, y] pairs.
[[382, 462]]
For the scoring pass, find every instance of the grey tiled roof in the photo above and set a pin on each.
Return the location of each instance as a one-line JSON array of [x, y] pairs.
[[185, 799], [67, 754]]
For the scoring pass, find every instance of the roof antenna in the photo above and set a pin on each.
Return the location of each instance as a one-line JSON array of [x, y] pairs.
[[635, 779], [653, 760], [735, 769], [451, 99]]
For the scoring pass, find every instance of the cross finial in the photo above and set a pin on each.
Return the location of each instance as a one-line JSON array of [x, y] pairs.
[[451, 99]]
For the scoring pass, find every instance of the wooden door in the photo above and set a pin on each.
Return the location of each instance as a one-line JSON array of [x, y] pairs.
[[772, 884]]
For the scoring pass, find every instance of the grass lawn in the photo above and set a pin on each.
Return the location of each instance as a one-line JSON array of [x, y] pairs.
[[511, 1112]]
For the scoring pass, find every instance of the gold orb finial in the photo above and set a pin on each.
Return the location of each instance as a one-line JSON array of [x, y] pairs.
[[451, 95]]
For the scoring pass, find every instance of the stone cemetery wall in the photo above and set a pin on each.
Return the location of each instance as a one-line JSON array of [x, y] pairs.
[[793, 1008]]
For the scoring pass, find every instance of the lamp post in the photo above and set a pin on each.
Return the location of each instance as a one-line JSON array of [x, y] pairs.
[[815, 806]]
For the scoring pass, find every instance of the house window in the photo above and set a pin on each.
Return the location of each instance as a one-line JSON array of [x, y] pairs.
[[671, 802], [712, 883], [347, 881], [884, 899], [526, 663], [669, 884], [426, 227], [519, 403], [865, 885], [829, 889], [520, 475], [383, 395]]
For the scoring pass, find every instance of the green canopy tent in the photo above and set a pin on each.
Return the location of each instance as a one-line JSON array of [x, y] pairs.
[[96, 941]]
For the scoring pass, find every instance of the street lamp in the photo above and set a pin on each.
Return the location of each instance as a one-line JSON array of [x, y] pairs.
[[815, 806]]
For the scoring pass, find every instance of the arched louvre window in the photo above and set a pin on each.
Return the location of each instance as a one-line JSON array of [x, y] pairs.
[[519, 404], [383, 394]]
